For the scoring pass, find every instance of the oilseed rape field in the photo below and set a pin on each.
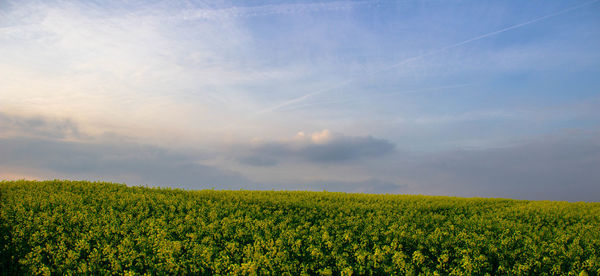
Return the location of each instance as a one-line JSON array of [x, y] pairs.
[[80, 227]]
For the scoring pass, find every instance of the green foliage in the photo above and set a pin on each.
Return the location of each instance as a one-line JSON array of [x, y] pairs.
[[77, 227]]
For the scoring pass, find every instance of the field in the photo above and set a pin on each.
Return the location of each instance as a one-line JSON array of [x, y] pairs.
[[67, 227]]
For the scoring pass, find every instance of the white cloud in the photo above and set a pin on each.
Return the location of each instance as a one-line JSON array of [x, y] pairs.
[[272, 9], [320, 137], [128, 70]]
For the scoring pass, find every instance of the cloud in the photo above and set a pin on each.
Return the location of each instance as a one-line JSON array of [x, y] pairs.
[[265, 10], [559, 167], [41, 147], [121, 162], [318, 147], [38, 147], [370, 185], [44, 148], [36, 126], [548, 168], [409, 60], [258, 161]]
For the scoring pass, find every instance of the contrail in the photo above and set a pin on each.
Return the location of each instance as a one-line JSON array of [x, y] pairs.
[[294, 107], [430, 53], [301, 98]]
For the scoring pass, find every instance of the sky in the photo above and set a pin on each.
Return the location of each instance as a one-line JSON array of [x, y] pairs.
[[455, 98]]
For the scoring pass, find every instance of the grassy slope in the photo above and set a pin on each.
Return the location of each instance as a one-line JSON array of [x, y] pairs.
[[62, 226]]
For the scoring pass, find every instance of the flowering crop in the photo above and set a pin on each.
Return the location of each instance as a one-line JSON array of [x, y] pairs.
[[78, 227]]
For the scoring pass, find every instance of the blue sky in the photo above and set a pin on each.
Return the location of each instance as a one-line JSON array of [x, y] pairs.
[[466, 98]]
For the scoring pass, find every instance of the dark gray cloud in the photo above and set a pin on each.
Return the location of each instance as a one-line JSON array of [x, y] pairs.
[[562, 167], [122, 162], [53, 148], [566, 168], [37, 126], [371, 185], [258, 161], [46, 145], [138, 164], [338, 148], [347, 148]]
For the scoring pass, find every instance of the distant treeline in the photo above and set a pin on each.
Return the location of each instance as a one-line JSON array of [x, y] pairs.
[[78, 227]]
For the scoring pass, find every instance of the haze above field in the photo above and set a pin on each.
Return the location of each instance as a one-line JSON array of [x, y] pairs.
[[469, 98]]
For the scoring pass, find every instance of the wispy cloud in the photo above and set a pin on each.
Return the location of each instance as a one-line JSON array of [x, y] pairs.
[[421, 56], [273, 9]]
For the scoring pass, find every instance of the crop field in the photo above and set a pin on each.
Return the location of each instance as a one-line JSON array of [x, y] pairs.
[[77, 227]]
